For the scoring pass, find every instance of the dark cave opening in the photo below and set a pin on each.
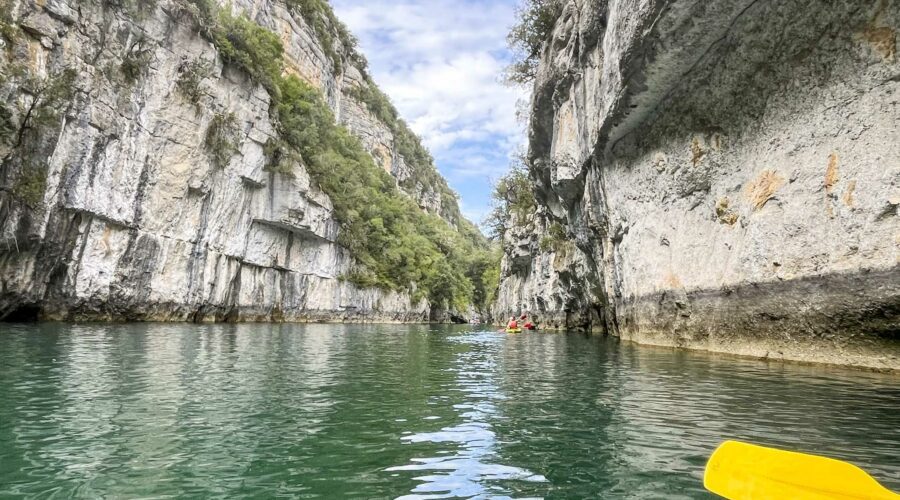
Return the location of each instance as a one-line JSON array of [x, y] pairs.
[[25, 313]]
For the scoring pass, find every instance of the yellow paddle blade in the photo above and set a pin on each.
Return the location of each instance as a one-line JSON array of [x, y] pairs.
[[741, 471]]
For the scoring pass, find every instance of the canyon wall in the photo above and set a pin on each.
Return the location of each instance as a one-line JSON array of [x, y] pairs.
[[113, 205], [726, 175]]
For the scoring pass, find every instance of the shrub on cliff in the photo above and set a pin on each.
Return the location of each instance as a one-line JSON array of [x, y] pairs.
[[422, 171], [528, 36], [191, 75], [251, 47], [320, 16], [400, 246], [514, 200], [222, 139], [241, 42]]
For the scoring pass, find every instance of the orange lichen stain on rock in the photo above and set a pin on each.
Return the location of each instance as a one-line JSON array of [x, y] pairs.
[[848, 193], [672, 281], [883, 39], [697, 151], [724, 213], [762, 189], [383, 155], [831, 173], [104, 240], [292, 70]]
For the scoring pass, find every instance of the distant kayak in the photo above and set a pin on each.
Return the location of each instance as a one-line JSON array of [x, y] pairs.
[[513, 330]]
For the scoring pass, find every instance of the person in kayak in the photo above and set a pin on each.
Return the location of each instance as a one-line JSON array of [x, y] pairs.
[[528, 324], [513, 324]]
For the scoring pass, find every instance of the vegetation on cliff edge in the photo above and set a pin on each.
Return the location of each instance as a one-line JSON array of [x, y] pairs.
[[514, 201], [398, 246], [536, 20], [418, 159], [320, 16]]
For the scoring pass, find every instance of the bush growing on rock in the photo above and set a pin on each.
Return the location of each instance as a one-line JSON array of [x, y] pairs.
[[201, 13], [251, 47], [422, 170], [555, 239], [528, 36], [191, 75], [222, 139], [136, 61], [325, 24], [514, 201], [30, 186]]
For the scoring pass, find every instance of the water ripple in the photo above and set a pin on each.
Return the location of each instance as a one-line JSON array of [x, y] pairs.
[[337, 411]]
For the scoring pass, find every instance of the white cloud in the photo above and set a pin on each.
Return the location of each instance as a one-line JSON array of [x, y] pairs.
[[440, 62]]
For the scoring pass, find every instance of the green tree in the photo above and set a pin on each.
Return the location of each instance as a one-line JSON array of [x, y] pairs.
[[513, 199], [536, 20]]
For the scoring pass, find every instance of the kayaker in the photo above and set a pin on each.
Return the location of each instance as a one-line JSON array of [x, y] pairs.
[[528, 324], [513, 324]]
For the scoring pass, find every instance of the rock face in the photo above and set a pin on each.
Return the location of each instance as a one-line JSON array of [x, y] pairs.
[[727, 174], [113, 205]]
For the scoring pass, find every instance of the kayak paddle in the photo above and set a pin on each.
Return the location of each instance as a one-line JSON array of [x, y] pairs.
[[741, 471]]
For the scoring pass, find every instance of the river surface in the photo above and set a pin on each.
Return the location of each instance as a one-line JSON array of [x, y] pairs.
[[335, 411]]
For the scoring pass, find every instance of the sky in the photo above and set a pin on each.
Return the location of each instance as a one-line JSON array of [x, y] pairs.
[[440, 62]]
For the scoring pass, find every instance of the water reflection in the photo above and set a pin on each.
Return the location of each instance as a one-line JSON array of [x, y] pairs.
[[473, 470], [340, 411]]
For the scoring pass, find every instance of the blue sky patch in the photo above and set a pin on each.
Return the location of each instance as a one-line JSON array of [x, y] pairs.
[[440, 61]]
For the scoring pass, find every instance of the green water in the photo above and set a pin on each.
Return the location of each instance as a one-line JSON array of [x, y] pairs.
[[263, 411]]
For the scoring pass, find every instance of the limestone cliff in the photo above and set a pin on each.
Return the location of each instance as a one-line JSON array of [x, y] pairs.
[[118, 202], [727, 174]]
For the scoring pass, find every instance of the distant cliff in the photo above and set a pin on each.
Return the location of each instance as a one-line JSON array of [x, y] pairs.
[[154, 168], [719, 175]]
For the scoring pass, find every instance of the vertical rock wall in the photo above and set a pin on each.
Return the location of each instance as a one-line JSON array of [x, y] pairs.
[[112, 203], [728, 175]]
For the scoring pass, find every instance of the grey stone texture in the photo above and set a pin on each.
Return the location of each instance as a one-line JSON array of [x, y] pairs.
[[728, 174], [111, 207]]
